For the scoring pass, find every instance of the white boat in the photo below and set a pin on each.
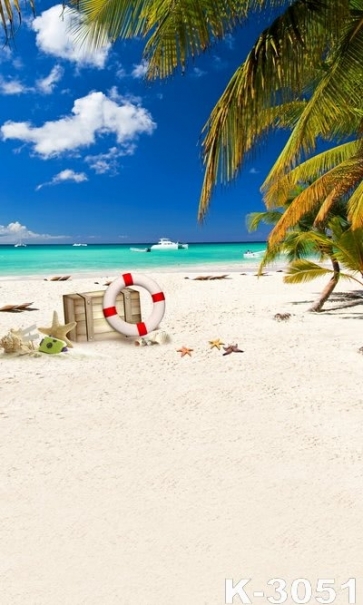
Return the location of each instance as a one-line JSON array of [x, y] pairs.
[[250, 254], [79, 244], [165, 244], [140, 249]]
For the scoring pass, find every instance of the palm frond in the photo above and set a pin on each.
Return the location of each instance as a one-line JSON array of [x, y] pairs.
[[303, 270], [284, 62], [176, 30], [326, 207], [355, 207], [103, 22], [336, 104], [278, 191], [254, 219], [349, 250], [181, 29], [228, 139], [335, 183], [10, 10]]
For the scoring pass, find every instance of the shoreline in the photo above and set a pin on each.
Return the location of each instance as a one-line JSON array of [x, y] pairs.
[[247, 267]]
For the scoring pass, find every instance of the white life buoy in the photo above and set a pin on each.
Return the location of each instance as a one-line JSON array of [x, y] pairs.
[[110, 311]]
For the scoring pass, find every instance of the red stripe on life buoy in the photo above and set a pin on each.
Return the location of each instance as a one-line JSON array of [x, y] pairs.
[[110, 311], [158, 296], [141, 328], [127, 277]]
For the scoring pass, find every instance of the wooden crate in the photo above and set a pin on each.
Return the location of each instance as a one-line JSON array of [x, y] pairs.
[[86, 309]]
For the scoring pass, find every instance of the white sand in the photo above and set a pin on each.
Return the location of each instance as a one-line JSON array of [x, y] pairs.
[[133, 476]]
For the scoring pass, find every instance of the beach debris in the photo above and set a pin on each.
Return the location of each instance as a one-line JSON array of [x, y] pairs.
[[159, 337], [27, 333], [56, 330], [52, 345], [20, 342], [360, 350], [216, 343], [58, 278], [232, 349], [17, 308], [282, 316], [208, 277], [185, 351]]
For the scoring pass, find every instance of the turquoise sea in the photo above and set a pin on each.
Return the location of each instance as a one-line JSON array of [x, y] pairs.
[[67, 259]]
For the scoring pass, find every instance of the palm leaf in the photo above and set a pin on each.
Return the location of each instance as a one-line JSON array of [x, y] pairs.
[[355, 207], [283, 63], [303, 270], [336, 103], [335, 183], [279, 190], [175, 29], [9, 11], [105, 21], [254, 219], [349, 250], [228, 139]]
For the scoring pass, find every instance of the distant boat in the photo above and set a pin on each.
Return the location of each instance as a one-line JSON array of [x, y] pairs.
[[20, 244], [165, 244], [79, 245], [140, 249], [250, 254]]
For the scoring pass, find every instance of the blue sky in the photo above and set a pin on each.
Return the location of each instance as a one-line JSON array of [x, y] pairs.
[[91, 152]]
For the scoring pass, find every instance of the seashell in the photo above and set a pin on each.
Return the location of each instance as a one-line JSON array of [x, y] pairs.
[[13, 342], [157, 337]]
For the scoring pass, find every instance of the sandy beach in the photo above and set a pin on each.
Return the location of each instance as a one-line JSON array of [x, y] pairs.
[[135, 476]]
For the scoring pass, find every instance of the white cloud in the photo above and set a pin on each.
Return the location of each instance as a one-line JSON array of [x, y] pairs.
[[254, 171], [46, 85], [63, 176], [12, 87], [140, 70], [43, 85], [11, 233], [92, 116], [103, 163], [114, 94], [56, 35], [119, 71]]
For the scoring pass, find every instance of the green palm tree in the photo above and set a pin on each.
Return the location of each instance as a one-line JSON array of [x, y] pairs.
[[303, 72], [332, 239], [344, 250]]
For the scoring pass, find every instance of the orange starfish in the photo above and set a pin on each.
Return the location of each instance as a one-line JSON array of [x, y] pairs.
[[185, 351]]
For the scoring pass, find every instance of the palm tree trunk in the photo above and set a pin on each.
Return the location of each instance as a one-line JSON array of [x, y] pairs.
[[318, 305]]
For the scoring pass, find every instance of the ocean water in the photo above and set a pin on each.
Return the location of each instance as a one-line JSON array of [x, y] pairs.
[[67, 259]]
